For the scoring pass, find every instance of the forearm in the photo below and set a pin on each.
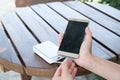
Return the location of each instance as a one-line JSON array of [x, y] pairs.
[[104, 68]]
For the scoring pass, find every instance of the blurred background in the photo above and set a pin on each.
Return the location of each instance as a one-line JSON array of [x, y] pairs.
[[113, 3], [10, 5]]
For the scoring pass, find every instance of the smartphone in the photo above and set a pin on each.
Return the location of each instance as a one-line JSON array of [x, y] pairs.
[[73, 38]]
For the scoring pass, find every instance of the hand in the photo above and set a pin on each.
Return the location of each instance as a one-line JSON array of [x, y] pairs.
[[85, 50], [66, 71]]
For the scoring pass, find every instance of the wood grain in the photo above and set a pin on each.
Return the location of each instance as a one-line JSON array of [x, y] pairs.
[[8, 57], [24, 42], [96, 16], [37, 25], [108, 10], [54, 19]]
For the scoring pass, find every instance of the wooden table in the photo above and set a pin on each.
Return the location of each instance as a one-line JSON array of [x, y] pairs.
[[31, 25]]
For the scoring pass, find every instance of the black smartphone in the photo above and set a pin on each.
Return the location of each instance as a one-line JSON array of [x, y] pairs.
[[73, 38]]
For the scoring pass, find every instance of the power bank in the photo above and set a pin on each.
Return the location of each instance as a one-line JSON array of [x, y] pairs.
[[48, 51]]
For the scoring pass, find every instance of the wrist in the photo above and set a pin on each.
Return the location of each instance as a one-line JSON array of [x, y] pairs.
[[87, 61]]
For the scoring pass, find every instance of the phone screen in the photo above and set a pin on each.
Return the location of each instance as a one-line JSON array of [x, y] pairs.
[[73, 37]]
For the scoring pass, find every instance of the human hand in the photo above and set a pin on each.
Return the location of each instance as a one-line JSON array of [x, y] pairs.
[[66, 71], [85, 50]]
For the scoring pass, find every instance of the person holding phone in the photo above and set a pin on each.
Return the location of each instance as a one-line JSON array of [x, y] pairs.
[[73, 37], [101, 67]]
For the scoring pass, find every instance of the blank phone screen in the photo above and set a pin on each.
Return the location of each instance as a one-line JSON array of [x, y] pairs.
[[73, 37]]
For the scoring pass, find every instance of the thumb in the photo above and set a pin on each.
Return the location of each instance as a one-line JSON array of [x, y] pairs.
[[88, 39], [66, 75], [65, 67]]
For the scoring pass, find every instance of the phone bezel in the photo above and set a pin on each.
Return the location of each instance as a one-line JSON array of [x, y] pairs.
[[70, 54]]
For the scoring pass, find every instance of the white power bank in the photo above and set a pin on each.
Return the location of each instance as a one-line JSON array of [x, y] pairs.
[[48, 51]]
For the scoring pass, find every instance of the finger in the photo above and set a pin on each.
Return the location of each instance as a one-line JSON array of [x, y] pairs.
[[59, 70], [74, 72], [72, 67], [65, 72], [67, 62], [60, 38], [65, 66], [88, 35], [88, 39], [69, 65]]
